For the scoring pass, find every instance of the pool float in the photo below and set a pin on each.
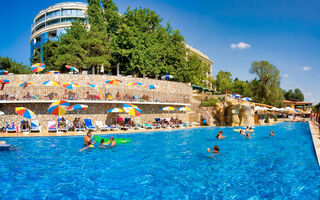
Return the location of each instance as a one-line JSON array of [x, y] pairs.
[[4, 146], [237, 130], [97, 138]]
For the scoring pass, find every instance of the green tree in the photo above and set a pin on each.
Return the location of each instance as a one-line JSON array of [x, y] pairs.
[[13, 67], [268, 88], [36, 57], [295, 95], [50, 55], [240, 87], [224, 81]]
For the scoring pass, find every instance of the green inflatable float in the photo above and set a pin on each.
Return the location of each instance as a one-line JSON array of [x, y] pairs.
[[97, 138]]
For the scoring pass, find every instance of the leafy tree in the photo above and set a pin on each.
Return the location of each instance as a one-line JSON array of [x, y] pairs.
[[36, 57], [316, 108], [295, 95], [240, 87], [71, 48], [268, 85], [50, 55], [13, 67], [224, 81]]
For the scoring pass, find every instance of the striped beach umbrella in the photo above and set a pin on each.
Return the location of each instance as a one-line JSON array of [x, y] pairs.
[[152, 87], [5, 81], [113, 81], [51, 83], [134, 83], [58, 107], [77, 107], [183, 109], [70, 85], [97, 89], [72, 68], [25, 112], [38, 67], [3, 72], [26, 83], [131, 109], [115, 110], [53, 72], [168, 108]]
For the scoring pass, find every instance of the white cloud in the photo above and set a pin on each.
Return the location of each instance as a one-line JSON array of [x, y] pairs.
[[309, 94], [240, 45], [306, 68], [285, 76]]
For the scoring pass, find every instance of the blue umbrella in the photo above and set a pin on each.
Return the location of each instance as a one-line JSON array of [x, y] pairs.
[[167, 77], [236, 95], [246, 99], [3, 72]]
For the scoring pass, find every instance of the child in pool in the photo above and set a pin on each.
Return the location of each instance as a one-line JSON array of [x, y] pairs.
[[102, 144], [90, 145], [215, 150], [112, 142]]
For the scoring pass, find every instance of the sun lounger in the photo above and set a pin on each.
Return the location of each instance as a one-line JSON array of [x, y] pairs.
[[113, 127], [35, 126], [101, 127], [89, 125], [138, 127], [52, 126], [148, 126], [76, 129], [195, 123], [10, 128]]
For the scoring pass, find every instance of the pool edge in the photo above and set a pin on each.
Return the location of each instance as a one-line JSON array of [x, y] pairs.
[[315, 134]]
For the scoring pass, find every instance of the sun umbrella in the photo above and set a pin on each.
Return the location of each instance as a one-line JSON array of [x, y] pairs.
[[26, 113], [184, 109], [1, 113], [131, 109], [167, 77], [236, 95], [246, 99], [134, 83], [113, 81], [53, 72], [77, 107], [115, 110], [72, 68], [97, 89], [5, 81], [70, 85], [168, 108], [51, 83], [58, 107], [26, 83], [3, 72], [38, 67], [152, 87]]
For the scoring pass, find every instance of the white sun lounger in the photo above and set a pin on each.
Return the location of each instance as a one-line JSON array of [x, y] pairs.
[[35, 126], [101, 127]]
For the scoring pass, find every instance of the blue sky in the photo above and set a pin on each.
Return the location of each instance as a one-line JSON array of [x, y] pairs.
[[233, 33]]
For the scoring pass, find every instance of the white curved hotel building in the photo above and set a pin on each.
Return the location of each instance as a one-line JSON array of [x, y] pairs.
[[52, 22]]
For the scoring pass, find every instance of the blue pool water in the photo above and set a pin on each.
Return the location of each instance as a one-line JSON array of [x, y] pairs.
[[166, 165]]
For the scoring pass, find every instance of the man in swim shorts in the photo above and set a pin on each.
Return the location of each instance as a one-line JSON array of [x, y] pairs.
[[88, 138]]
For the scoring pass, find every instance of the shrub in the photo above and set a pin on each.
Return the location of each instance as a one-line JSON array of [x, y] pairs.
[[210, 102], [267, 119], [275, 117]]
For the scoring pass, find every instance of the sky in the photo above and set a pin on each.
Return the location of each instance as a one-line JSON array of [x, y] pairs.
[[233, 33]]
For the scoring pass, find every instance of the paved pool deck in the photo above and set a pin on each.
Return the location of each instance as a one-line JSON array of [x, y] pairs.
[[315, 134]]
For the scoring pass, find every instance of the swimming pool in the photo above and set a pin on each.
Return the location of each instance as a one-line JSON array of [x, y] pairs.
[[166, 165]]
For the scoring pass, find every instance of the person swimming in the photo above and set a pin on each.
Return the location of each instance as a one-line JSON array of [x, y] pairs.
[[242, 132], [250, 130], [248, 135], [111, 142], [271, 133], [88, 138], [220, 136], [102, 144], [215, 150], [90, 145]]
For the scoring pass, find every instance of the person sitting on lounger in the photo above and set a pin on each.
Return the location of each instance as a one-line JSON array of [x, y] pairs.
[[24, 125], [112, 142], [118, 96], [62, 124]]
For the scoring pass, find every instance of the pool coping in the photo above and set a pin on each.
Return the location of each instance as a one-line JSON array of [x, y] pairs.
[[315, 134]]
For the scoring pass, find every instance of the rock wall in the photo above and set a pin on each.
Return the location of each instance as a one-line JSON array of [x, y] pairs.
[[232, 113]]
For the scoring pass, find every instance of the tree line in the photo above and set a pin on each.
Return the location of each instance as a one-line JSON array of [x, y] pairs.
[[136, 42], [264, 88]]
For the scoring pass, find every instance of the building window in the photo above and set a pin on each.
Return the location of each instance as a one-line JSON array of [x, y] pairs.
[[74, 12], [38, 39], [52, 34], [68, 12], [79, 13]]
